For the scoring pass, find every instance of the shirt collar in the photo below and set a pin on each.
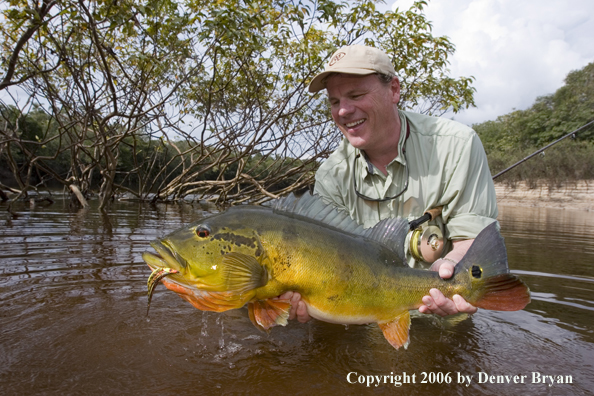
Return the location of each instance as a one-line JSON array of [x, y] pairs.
[[364, 160], [404, 134]]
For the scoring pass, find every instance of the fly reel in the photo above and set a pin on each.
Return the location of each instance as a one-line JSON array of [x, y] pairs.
[[426, 243]]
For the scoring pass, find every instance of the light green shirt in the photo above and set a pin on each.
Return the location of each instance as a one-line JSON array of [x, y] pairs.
[[447, 166]]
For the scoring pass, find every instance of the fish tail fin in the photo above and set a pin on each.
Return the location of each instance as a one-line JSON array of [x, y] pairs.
[[493, 286], [504, 293], [266, 314]]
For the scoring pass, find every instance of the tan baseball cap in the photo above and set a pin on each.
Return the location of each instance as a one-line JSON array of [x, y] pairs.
[[354, 59]]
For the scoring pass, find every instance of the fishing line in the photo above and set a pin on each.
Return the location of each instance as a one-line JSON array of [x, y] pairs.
[[543, 149]]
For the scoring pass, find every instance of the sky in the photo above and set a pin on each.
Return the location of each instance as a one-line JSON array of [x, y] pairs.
[[517, 50]]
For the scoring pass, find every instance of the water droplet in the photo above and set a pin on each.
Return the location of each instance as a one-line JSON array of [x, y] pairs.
[[203, 331]]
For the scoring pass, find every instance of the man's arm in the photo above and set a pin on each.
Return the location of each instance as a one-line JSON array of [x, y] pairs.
[[436, 302]]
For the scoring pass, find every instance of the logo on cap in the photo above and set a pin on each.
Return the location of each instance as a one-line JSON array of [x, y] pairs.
[[336, 58]]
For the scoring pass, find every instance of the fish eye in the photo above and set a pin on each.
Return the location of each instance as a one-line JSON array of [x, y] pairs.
[[202, 231]]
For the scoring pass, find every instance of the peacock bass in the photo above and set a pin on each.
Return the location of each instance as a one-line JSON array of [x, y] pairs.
[[344, 273]]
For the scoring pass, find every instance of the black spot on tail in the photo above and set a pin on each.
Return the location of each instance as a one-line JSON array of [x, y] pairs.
[[476, 271]]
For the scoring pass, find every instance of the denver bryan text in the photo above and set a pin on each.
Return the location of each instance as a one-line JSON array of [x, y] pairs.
[[532, 378]]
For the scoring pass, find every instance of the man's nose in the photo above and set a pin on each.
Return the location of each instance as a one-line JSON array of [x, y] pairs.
[[345, 108]]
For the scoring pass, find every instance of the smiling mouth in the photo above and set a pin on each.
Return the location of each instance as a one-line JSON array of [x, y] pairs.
[[355, 123]]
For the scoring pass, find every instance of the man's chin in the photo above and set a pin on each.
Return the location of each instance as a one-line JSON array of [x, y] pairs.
[[356, 141]]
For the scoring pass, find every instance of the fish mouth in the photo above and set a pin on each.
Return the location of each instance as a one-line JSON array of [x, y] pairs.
[[163, 263], [165, 257]]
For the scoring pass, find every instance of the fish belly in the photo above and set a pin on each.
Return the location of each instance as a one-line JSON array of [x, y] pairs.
[[339, 318]]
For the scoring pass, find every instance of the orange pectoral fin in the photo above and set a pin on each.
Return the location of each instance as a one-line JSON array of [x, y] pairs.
[[208, 300], [396, 331], [265, 314]]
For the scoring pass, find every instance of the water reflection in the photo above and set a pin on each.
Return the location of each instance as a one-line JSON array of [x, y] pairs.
[[73, 303]]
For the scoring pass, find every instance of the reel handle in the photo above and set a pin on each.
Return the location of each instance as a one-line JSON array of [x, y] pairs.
[[428, 216]]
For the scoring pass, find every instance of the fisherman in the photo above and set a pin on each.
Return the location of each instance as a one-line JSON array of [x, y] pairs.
[[398, 163]]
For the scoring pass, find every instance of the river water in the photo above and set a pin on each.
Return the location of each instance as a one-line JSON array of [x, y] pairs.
[[73, 320]]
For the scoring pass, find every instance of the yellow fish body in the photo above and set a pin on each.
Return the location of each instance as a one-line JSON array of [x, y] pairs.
[[344, 274]]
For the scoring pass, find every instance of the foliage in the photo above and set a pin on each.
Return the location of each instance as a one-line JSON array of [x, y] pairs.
[[163, 99], [518, 134]]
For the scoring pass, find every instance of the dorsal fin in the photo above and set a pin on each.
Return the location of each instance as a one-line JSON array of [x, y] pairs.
[[389, 232], [312, 207]]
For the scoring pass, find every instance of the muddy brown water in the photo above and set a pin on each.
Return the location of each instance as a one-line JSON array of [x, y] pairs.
[[73, 320]]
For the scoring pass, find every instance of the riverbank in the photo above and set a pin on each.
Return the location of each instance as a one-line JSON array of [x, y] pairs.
[[571, 195]]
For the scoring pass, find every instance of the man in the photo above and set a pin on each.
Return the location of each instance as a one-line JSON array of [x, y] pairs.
[[395, 163]]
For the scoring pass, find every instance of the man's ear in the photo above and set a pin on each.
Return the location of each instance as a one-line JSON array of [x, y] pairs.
[[395, 87]]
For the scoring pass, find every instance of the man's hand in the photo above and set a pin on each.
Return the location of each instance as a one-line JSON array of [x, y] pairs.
[[436, 302], [298, 307]]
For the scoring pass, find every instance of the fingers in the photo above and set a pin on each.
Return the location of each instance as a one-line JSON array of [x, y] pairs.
[[302, 315], [444, 267], [464, 306], [298, 307], [437, 303], [294, 299], [285, 296], [446, 270]]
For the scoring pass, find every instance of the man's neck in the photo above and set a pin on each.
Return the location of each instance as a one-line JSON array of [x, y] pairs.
[[380, 158]]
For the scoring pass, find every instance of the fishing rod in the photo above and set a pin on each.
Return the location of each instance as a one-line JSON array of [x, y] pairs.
[[542, 149]]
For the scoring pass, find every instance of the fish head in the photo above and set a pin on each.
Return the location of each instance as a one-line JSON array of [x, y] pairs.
[[199, 253]]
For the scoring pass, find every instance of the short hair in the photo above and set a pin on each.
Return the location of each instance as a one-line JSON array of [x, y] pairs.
[[385, 79]]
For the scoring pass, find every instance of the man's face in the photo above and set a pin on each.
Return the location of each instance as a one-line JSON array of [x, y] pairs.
[[365, 110]]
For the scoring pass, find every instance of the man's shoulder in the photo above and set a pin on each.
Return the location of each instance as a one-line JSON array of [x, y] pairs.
[[339, 159], [431, 126]]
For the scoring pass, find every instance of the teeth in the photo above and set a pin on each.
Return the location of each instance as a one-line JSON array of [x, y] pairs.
[[352, 124]]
